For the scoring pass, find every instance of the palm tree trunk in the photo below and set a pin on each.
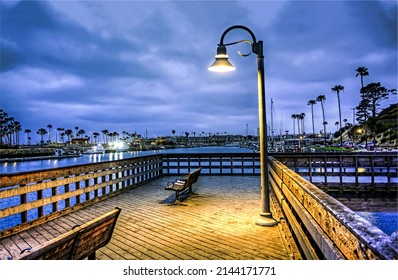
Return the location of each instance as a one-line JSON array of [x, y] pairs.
[[312, 114], [341, 133], [324, 125]]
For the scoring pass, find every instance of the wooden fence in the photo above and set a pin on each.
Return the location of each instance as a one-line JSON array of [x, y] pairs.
[[322, 226], [344, 172], [33, 197], [212, 163]]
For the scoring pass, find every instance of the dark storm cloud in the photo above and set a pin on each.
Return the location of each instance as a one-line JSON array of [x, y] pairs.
[[142, 65]]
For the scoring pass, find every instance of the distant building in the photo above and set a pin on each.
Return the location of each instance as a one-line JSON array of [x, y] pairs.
[[80, 141]]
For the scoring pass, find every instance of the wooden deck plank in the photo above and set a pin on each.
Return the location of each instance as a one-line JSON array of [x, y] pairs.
[[20, 242], [218, 223], [4, 252], [223, 243]]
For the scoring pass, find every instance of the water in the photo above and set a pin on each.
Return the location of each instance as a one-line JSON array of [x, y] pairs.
[[386, 221], [32, 165]]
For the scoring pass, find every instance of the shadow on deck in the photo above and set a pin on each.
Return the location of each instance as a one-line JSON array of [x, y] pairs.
[[216, 224]]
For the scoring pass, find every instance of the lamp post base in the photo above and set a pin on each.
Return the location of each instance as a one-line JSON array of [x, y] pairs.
[[266, 220]]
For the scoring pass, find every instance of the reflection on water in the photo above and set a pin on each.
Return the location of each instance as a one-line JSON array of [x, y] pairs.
[[386, 221], [31, 165]]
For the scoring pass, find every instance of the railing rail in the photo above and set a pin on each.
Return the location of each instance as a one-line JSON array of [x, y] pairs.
[[323, 227], [46, 194], [346, 171], [212, 163]]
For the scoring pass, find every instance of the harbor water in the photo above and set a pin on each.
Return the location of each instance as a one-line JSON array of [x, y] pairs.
[[386, 221]]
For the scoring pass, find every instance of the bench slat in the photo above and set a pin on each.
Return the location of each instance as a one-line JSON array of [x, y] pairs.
[[59, 248], [78, 243], [96, 234]]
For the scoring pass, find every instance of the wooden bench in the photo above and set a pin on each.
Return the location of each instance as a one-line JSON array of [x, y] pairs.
[[79, 243], [183, 185]]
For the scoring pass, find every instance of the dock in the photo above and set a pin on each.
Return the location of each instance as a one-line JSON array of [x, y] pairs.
[[216, 223]]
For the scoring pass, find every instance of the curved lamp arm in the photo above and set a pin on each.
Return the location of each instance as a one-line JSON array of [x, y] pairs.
[[256, 47]]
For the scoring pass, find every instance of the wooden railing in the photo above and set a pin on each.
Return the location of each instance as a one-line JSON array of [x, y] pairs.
[[212, 163], [322, 226], [331, 172], [33, 197], [344, 172]]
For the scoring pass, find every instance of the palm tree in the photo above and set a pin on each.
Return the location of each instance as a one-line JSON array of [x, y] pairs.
[[302, 117], [345, 122], [49, 126], [59, 130], [362, 71], [298, 124], [294, 117], [337, 126], [80, 133], [41, 132], [69, 134], [3, 123], [15, 129], [27, 131], [61, 135], [337, 89], [96, 135], [105, 133], [8, 128], [312, 103], [322, 98]]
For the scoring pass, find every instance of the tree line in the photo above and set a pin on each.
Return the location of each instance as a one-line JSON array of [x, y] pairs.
[[366, 111], [10, 133]]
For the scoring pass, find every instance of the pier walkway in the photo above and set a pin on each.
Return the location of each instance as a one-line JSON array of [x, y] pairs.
[[216, 224]]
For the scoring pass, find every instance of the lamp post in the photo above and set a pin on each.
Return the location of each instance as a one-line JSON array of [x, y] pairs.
[[223, 65]]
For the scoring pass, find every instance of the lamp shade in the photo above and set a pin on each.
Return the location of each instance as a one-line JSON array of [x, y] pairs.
[[221, 64]]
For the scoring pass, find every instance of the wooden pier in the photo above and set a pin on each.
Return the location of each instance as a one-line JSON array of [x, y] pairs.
[[216, 224]]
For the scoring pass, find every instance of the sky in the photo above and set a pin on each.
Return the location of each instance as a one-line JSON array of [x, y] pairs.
[[142, 66]]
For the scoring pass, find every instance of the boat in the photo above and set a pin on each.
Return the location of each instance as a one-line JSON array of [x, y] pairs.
[[98, 149]]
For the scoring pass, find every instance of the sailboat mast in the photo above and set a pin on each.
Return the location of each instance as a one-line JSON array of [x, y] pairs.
[[272, 118]]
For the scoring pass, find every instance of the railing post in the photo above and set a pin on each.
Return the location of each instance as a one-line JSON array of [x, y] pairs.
[[341, 173], [40, 209], [67, 200], [372, 164], [54, 192], [24, 214]]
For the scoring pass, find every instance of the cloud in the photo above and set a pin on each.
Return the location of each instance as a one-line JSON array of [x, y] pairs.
[[142, 65]]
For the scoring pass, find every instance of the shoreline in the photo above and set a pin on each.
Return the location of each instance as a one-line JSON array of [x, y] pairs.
[[3, 160]]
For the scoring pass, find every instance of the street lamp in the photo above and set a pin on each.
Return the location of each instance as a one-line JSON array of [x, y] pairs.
[[223, 65]]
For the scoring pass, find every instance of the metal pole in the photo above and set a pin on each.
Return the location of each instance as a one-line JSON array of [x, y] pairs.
[[265, 218]]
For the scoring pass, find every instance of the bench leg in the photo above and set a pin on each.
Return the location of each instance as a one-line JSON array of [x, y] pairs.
[[91, 256], [177, 201], [191, 191]]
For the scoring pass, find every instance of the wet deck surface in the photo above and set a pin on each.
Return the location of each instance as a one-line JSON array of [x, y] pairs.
[[216, 224]]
